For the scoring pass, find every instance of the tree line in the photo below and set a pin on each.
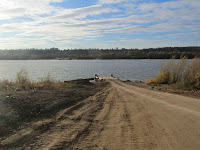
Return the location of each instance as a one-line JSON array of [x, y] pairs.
[[55, 53]]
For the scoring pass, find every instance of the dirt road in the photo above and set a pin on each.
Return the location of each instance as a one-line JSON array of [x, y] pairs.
[[120, 116]]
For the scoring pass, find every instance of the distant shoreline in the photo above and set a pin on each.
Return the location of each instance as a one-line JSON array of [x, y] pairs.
[[101, 59], [78, 54]]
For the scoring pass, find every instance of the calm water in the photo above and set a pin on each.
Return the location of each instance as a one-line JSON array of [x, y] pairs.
[[75, 69]]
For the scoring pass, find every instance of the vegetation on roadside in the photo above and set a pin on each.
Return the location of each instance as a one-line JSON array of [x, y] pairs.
[[181, 74], [23, 82]]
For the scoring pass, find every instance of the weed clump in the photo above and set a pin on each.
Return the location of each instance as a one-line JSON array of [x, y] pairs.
[[191, 75], [47, 81], [183, 74], [22, 78], [23, 82]]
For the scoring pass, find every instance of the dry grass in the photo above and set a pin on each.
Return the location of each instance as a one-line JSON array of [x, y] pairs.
[[167, 73], [191, 73], [23, 82], [22, 78], [183, 74]]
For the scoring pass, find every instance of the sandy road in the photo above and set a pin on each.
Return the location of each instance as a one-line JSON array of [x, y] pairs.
[[122, 117]]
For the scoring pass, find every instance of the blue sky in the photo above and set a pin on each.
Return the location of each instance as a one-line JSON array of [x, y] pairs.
[[67, 24]]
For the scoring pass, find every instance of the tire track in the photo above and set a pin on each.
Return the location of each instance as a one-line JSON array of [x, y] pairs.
[[122, 117], [82, 120], [65, 128], [91, 139]]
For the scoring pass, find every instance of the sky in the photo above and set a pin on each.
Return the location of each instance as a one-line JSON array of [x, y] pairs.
[[67, 24]]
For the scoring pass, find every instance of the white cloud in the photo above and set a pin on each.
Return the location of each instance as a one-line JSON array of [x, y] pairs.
[[10, 13], [15, 8], [111, 41], [183, 34], [90, 39], [66, 14], [111, 1], [173, 10]]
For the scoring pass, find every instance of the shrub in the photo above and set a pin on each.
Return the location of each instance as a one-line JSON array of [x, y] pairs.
[[198, 79], [149, 81], [22, 82], [166, 73], [22, 78], [6, 84], [182, 74], [191, 73], [178, 71], [48, 80]]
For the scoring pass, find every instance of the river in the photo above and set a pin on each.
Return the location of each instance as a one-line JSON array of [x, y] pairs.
[[134, 69]]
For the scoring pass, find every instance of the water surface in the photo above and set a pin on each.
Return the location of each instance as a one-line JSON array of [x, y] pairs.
[[133, 69]]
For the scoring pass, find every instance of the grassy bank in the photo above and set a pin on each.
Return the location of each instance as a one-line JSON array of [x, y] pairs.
[[23, 101], [182, 74]]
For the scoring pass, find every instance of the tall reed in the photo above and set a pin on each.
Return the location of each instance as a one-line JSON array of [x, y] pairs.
[[181, 73], [191, 73]]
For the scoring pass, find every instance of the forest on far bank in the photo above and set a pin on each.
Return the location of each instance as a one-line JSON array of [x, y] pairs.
[[95, 53]]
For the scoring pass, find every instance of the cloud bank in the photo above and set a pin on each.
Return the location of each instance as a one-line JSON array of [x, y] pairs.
[[105, 23]]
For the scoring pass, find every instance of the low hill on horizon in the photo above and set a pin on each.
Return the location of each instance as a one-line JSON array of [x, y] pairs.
[[55, 53]]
